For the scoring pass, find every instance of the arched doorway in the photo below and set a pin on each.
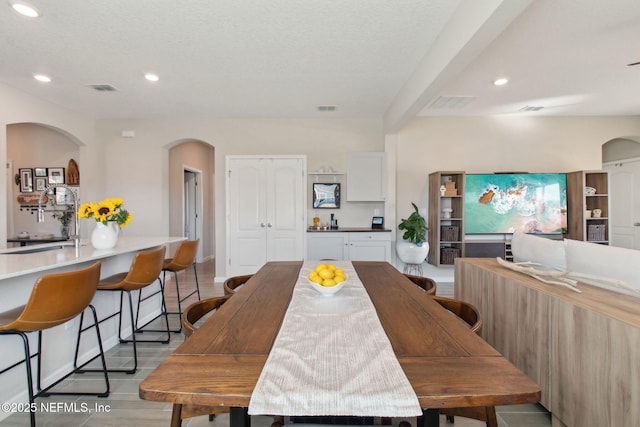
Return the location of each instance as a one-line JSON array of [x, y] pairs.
[[191, 194], [621, 159], [37, 148]]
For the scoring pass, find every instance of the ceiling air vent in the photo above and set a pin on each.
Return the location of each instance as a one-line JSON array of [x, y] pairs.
[[327, 108], [103, 88], [451, 102], [530, 108]]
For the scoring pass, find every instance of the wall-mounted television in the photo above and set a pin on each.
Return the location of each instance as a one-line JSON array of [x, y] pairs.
[[503, 203]]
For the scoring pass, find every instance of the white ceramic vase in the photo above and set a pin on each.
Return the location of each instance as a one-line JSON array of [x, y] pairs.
[[410, 253], [105, 236]]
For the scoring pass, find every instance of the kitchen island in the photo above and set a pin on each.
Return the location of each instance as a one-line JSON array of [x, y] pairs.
[[19, 269]]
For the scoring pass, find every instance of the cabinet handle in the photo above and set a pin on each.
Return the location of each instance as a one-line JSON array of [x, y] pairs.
[[269, 225], [262, 224], [636, 224]]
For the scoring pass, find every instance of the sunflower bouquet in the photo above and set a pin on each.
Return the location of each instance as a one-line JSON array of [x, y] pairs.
[[106, 210]]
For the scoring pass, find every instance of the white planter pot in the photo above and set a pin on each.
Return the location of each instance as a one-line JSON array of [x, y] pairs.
[[410, 253]]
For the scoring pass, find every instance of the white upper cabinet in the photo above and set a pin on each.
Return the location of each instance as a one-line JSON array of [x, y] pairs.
[[366, 177]]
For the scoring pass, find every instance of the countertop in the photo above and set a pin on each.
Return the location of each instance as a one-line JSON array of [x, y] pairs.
[[351, 230], [13, 263]]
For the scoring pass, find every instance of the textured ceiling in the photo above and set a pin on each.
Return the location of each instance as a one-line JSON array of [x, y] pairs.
[[283, 58]]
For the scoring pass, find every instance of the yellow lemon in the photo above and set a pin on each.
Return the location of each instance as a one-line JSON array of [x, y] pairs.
[[339, 278], [331, 267], [339, 271], [325, 274], [328, 283], [321, 267], [316, 279], [312, 275]]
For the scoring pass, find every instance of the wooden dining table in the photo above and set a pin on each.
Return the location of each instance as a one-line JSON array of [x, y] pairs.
[[447, 364]]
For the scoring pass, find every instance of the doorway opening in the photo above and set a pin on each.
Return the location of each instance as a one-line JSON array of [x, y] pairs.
[[192, 208]]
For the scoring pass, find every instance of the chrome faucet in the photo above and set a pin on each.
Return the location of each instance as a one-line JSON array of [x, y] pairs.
[[41, 210]]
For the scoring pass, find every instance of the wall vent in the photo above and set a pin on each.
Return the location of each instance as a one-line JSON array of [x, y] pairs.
[[326, 108], [451, 102], [530, 108], [103, 88]]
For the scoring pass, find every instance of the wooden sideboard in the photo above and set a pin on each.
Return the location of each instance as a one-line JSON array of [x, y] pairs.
[[583, 349]]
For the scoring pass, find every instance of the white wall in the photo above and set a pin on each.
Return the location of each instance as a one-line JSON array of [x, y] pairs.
[[499, 143], [16, 107], [138, 171]]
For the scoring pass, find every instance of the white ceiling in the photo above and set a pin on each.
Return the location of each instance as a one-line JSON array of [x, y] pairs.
[[283, 58]]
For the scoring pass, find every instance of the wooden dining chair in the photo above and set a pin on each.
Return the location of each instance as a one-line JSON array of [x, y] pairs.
[[232, 283], [471, 316], [427, 284], [190, 316]]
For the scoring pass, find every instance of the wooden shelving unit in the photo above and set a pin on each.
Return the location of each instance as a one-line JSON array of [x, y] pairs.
[[579, 201], [446, 234]]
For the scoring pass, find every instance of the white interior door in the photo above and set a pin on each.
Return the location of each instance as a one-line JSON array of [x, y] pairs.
[[266, 210], [246, 185], [624, 186], [285, 209]]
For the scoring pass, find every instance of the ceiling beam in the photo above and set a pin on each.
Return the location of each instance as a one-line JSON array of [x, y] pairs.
[[472, 28]]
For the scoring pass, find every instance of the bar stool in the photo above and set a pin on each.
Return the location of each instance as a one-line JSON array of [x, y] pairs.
[[184, 257], [55, 299], [144, 271]]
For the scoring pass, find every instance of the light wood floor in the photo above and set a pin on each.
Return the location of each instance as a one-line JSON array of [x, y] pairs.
[[123, 407]]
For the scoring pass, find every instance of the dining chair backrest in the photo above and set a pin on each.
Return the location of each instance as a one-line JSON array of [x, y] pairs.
[[198, 310], [463, 310], [184, 256], [57, 298], [232, 283], [145, 269], [427, 284]]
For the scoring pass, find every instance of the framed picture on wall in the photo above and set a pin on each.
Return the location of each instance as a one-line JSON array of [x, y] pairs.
[[56, 175], [41, 183], [26, 180], [40, 172]]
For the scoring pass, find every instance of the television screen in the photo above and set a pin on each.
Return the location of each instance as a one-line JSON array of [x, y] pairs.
[[505, 203]]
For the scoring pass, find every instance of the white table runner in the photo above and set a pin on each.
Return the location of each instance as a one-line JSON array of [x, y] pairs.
[[332, 357]]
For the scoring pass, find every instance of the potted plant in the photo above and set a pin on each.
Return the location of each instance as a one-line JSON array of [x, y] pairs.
[[413, 248]]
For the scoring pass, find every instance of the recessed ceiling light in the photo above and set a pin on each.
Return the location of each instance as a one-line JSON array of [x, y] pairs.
[[42, 78], [151, 77], [25, 9], [501, 81]]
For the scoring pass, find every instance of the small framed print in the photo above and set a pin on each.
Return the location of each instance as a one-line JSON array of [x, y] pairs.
[[41, 183], [26, 180], [56, 175], [38, 172]]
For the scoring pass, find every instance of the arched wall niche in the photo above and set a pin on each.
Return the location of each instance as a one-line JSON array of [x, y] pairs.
[[627, 147], [35, 145], [195, 155]]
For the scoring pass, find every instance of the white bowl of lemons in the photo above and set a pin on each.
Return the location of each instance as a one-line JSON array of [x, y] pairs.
[[327, 279]]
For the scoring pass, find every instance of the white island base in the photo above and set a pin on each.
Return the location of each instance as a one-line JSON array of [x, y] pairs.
[[18, 273]]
